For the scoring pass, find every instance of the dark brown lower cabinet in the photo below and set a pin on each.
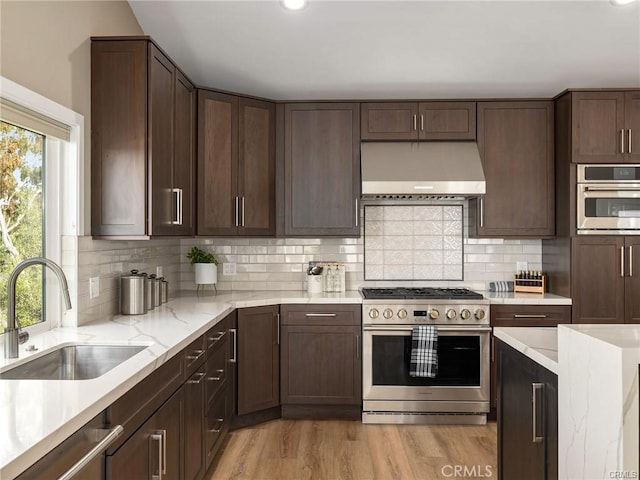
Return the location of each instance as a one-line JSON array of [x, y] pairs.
[[194, 413], [155, 450], [527, 418], [321, 364], [258, 359]]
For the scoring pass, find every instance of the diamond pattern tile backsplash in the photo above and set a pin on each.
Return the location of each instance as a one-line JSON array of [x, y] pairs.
[[413, 242]]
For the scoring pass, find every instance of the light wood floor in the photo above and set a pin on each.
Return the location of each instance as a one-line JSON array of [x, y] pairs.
[[336, 449]]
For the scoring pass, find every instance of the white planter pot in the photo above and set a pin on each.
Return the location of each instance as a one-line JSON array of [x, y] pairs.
[[206, 273]]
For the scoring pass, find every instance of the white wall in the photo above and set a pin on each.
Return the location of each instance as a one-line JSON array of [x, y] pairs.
[[45, 47]]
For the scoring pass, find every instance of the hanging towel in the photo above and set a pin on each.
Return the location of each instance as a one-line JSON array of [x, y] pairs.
[[424, 351]]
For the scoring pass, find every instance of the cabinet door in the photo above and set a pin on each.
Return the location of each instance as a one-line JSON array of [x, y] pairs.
[[184, 162], [217, 163], [258, 359], [389, 121], [256, 167], [515, 140], [598, 283], [632, 124], [161, 114], [321, 365], [447, 121], [597, 123], [194, 418], [322, 169], [155, 449], [518, 456], [118, 138], [632, 281]]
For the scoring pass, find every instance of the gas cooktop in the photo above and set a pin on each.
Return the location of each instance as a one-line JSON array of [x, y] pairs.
[[427, 293]]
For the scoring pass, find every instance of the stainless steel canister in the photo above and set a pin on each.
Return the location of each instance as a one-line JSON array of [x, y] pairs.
[[164, 290], [155, 285], [132, 294], [149, 293]]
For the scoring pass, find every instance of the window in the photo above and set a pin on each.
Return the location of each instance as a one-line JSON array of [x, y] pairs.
[[22, 225], [41, 156]]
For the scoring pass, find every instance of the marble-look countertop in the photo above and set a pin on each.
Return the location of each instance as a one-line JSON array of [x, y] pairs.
[[538, 343], [518, 298], [36, 415]]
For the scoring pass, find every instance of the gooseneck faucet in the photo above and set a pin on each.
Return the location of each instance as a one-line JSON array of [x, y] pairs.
[[12, 335]]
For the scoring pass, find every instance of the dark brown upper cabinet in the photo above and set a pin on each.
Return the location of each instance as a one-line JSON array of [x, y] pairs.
[[515, 140], [321, 169], [605, 126], [142, 141], [419, 121], [236, 165]]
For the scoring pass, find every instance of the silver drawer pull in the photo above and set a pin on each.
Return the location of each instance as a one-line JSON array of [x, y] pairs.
[[100, 447], [218, 429], [320, 315], [200, 376], [157, 437], [215, 340], [196, 356], [215, 379], [517, 315], [535, 387]]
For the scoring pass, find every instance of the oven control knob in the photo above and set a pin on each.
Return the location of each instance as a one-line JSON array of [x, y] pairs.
[[388, 313], [451, 314], [434, 314], [465, 314], [402, 314], [373, 313], [479, 314]]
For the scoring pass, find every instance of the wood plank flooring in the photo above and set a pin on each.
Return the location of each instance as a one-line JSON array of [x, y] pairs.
[[349, 450]]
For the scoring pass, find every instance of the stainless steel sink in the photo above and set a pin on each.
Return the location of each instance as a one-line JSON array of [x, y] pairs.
[[73, 362]]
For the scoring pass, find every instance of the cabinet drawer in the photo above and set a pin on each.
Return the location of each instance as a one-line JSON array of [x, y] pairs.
[[194, 356], [216, 421], [217, 367], [320, 314], [134, 407], [530, 315]]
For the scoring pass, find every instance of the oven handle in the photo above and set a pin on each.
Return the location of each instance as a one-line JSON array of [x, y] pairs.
[[624, 188], [370, 328]]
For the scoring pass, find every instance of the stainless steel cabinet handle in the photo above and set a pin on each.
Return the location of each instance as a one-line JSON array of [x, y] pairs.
[[629, 141], [199, 376], [622, 141], [631, 260], [242, 212], [278, 323], [214, 340], [234, 359], [320, 314], [177, 220], [421, 122], [219, 427], [357, 213], [219, 371], [196, 355], [157, 437], [518, 315], [237, 210], [357, 347], [481, 212], [100, 447], [535, 387], [622, 261], [415, 122]]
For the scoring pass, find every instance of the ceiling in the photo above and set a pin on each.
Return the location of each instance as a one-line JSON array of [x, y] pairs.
[[396, 49]]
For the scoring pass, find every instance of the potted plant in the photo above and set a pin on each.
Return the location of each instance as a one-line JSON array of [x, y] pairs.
[[205, 264]]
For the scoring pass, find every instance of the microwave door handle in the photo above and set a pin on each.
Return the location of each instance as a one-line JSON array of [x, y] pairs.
[[612, 189]]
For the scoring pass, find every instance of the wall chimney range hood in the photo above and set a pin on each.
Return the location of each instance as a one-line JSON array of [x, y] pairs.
[[421, 170]]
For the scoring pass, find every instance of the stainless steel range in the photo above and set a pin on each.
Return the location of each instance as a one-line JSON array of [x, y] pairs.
[[459, 393]]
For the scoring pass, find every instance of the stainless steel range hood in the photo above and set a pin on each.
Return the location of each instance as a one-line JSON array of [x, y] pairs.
[[421, 170]]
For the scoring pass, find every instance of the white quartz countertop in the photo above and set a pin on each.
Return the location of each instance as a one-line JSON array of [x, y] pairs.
[[538, 343], [36, 415], [517, 298]]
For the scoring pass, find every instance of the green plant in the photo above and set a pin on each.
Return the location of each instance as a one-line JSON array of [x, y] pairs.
[[197, 255]]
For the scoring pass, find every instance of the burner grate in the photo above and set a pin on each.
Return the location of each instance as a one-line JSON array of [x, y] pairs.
[[429, 293]]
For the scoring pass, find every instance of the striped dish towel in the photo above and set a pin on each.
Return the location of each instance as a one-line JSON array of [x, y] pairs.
[[424, 351]]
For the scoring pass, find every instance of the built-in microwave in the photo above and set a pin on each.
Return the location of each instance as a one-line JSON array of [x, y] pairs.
[[608, 199]]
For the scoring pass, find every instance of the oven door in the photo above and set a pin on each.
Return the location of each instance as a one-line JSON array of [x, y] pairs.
[[463, 365], [608, 208]]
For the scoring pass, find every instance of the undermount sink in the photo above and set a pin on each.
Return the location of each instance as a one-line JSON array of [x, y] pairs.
[[73, 362]]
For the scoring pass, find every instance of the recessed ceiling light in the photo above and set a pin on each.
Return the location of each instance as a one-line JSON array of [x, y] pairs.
[[294, 4], [617, 3]]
